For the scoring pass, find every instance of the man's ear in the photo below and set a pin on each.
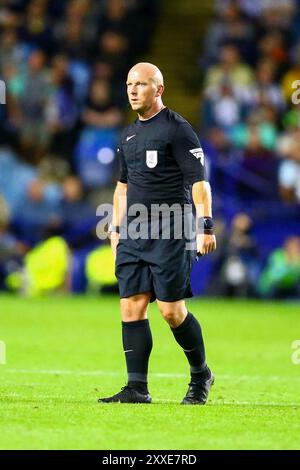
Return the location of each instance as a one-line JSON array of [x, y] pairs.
[[160, 90]]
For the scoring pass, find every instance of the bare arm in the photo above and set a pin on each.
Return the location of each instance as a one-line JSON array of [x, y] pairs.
[[119, 211], [202, 199]]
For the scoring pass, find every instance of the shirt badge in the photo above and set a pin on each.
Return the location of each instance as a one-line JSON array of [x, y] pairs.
[[198, 153], [151, 158]]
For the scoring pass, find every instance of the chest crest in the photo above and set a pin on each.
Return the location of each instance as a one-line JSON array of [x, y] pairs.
[[151, 158]]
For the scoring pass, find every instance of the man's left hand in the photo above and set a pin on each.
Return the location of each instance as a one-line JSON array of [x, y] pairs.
[[206, 244]]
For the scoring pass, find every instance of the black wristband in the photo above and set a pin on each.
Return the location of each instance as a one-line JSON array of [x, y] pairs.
[[206, 225]]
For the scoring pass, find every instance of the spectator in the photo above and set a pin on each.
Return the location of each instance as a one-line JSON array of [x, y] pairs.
[[230, 26], [11, 53], [74, 207], [35, 29], [15, 177], [30, 97], [272, 46], [289, 173], [223, 106], [229, 68], [38, 214], [71, 38], [260, 126], [276, 15], [46, 269], [281, 276], [237, 261], [61, 110], [259, 166], [100, 111], [291, 119], [265, 91]]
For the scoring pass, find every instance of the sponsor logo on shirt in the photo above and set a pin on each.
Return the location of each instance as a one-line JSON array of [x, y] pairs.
[[130, 137]]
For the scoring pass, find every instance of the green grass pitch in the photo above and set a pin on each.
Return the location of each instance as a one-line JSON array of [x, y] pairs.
[[62, 353]]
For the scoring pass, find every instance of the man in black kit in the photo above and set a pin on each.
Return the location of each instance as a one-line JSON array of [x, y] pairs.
[[162, 163]]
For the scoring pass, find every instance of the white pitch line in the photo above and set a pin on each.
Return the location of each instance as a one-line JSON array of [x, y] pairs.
[[88, 373]]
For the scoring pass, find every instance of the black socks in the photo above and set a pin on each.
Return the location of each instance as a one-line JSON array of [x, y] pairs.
[[137, 344], [189, 336]]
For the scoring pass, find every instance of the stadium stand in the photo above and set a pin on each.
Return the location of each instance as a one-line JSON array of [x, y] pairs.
[[64, 63]]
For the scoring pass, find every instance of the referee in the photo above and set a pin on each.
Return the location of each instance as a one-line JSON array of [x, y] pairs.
[[162, 163]]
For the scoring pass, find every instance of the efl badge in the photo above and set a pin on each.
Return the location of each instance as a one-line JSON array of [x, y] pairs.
[[151, 158], [198, 153]]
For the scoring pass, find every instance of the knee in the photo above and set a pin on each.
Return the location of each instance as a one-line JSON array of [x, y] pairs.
[[173, 314], [170, 317], [134, 308]]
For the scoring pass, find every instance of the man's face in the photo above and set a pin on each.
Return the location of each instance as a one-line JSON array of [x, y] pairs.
[[141, 91]]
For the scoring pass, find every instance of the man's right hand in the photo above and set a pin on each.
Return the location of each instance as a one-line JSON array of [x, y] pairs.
[[114, 241]]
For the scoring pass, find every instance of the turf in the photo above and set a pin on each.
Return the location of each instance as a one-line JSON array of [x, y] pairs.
[[64, 352]]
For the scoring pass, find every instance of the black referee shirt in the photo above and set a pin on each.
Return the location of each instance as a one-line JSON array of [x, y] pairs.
[[160, 159]]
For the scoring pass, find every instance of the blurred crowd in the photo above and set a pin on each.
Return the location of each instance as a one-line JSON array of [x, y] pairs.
[[241, 270], [64, 63], [250, 129], [251, 108]]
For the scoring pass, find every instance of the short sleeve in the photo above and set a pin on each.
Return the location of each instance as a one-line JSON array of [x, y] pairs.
[[122, 163], [188, 153]]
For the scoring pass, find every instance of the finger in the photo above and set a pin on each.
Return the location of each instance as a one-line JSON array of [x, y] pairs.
[[211, 247], [200, 247]]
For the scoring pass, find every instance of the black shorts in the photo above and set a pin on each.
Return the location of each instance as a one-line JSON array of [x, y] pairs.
[[160, 266]]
